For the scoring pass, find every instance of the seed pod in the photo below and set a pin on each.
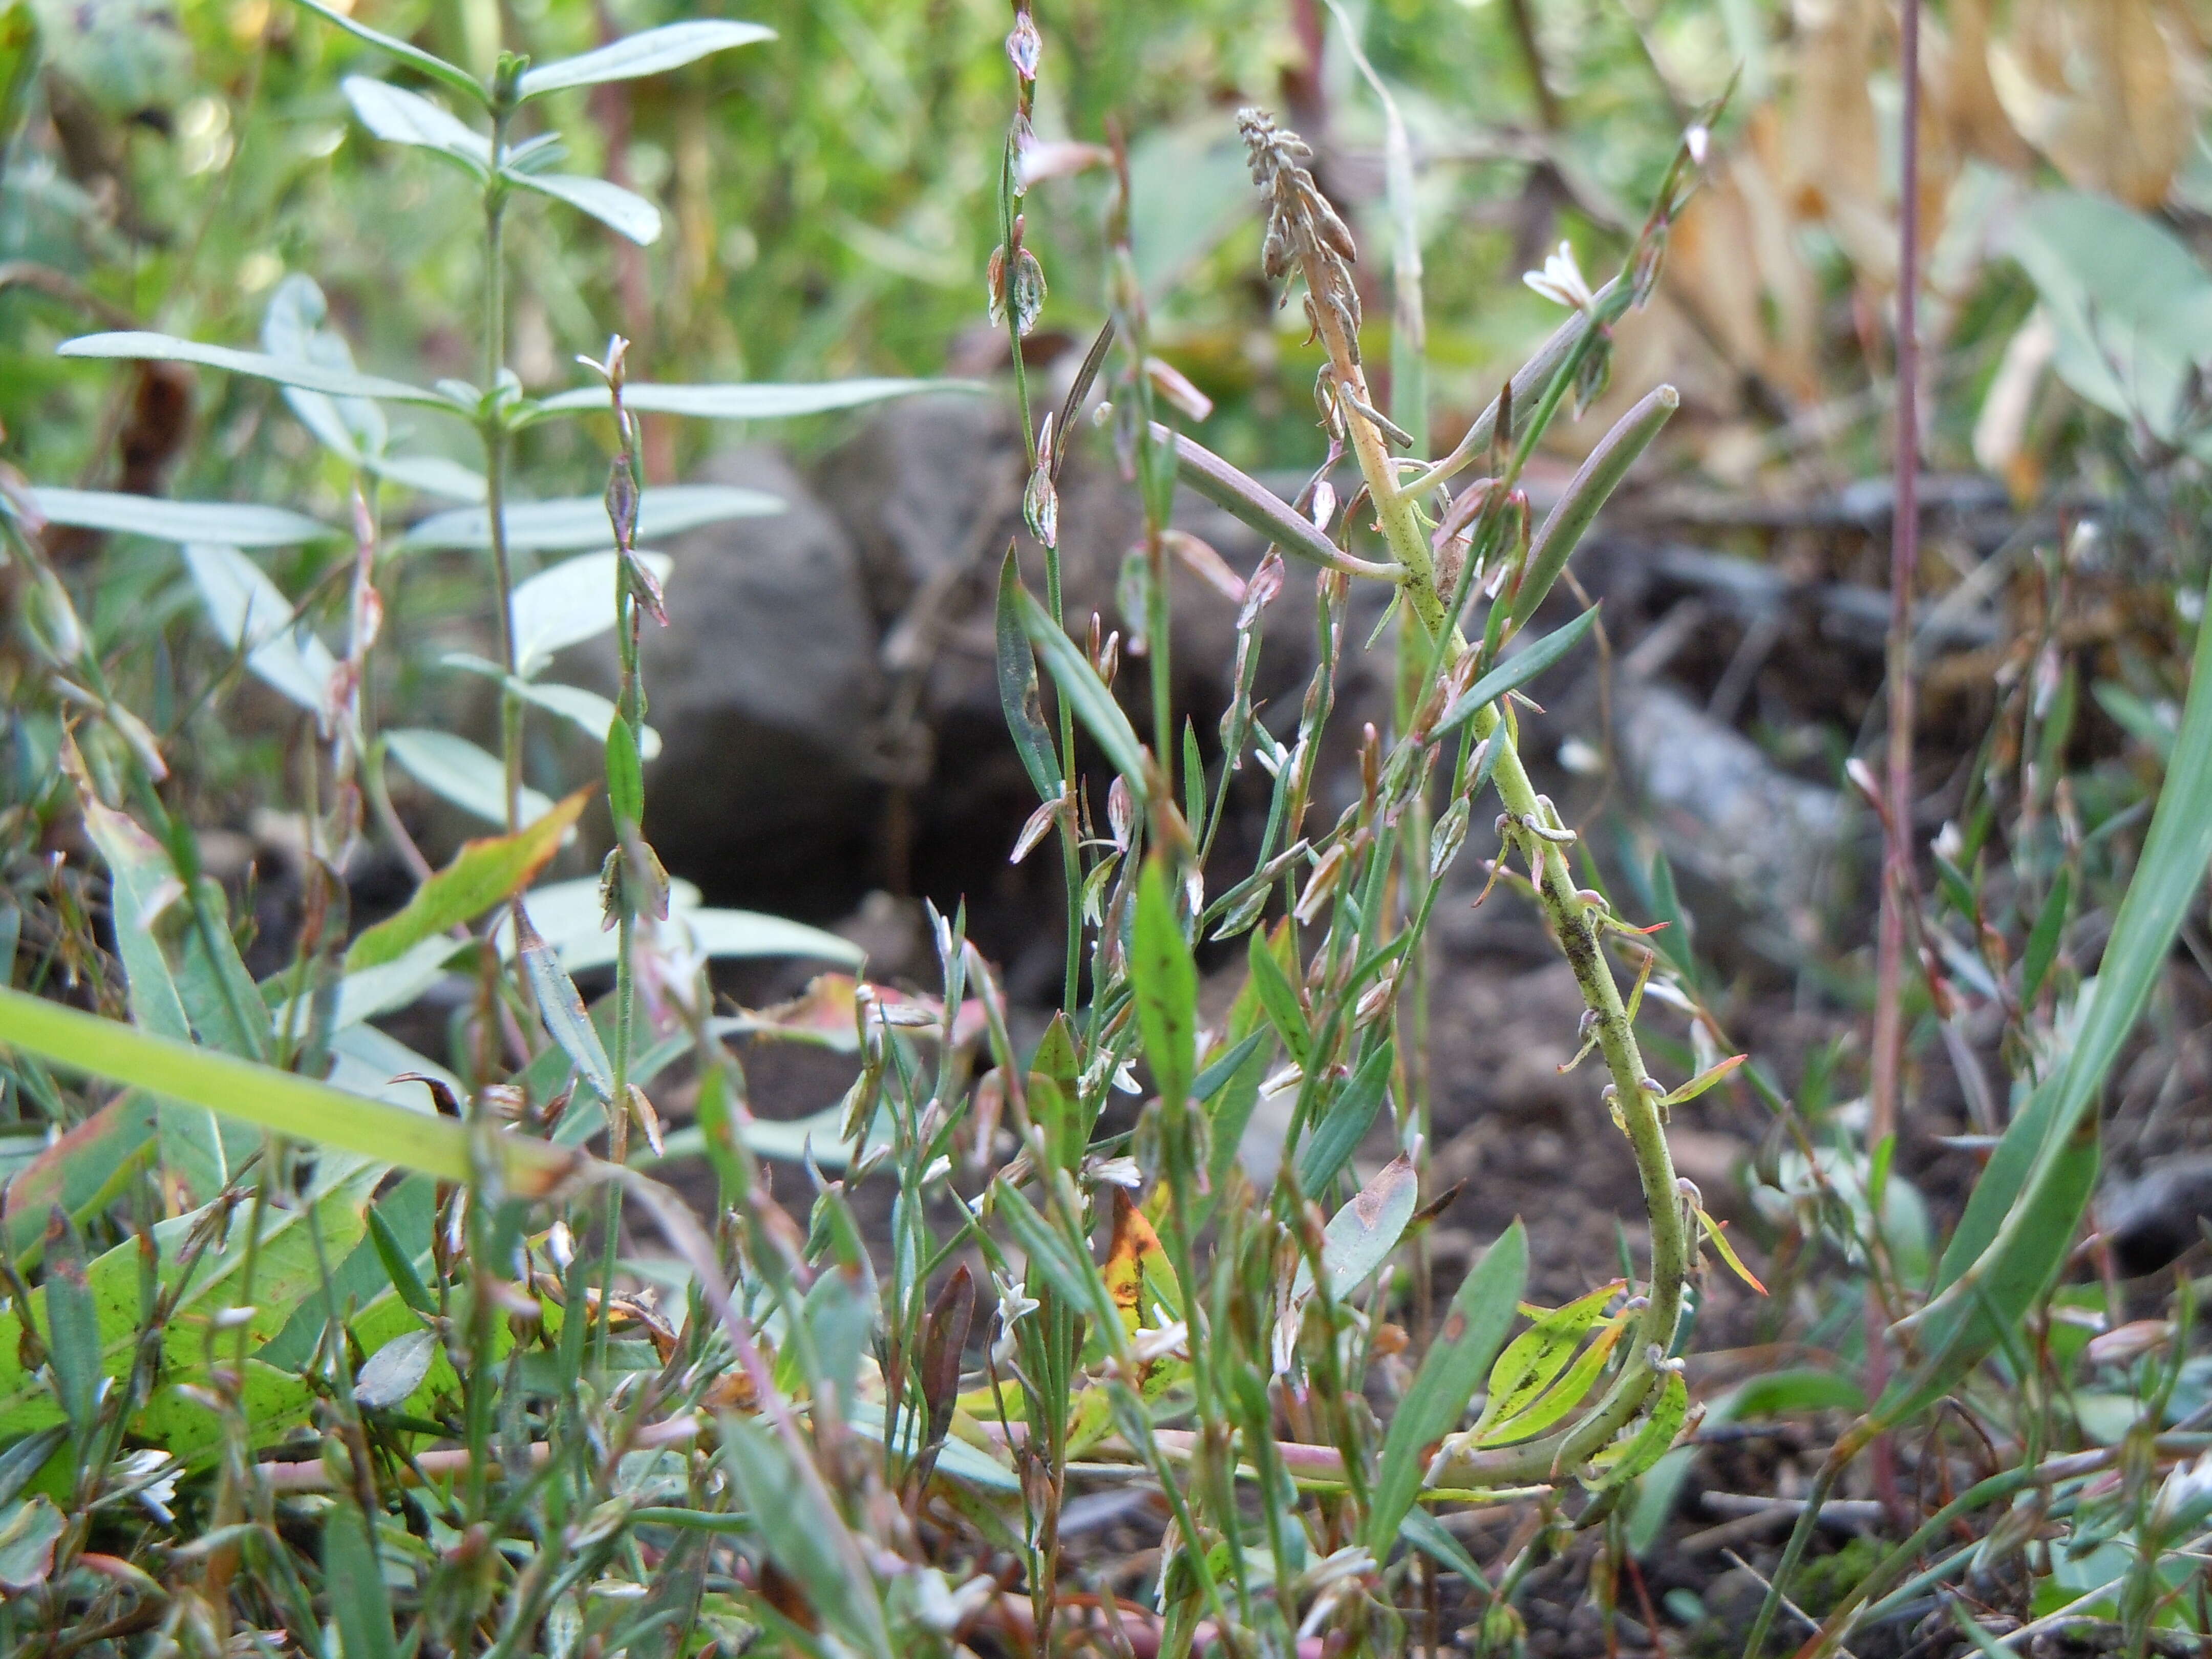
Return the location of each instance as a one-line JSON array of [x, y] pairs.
[[1252, 503], [1024, 46], [1321, 884], [1260, 589], [1041, 505], [1600, 476], [1445, 840]]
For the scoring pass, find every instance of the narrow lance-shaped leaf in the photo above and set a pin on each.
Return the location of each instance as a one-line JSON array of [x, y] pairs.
[[589, 712], [2042, 939], [572, 524], [743, 401], [1346, 1121], [1018, 686], [1086, 694], [143, 347], [1670, 1411], [652, 51], [72, 1332], [399, 1263], [625, 778], [1516, 672], [1361, 1236], [240, 524], [481, 874], [1278, 996], [562, 1009], [1540, 1353], [812, 1546], [400, 117], [1133, 1255], [621, 210], [1599, 477], [361, 1606], [566, 606], [1252, 503], [1703, 1080], [221, 999], [1716, 1232], [245, 609], [1563, 1395], [1481, 1313], [142, 885], [451, 75], [458, 770]]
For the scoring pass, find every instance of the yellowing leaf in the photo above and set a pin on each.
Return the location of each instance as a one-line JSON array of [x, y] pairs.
[[1134, 1252], [1703, 1080], [1715, 1231], [1564, 1396], [1539, 1355], [483, 873]]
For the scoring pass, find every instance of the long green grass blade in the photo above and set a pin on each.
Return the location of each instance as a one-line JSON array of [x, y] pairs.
[[2020, 1222], [305, 1111]]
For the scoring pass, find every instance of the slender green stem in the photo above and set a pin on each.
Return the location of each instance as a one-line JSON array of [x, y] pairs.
[[497, 440], [1532, 823]]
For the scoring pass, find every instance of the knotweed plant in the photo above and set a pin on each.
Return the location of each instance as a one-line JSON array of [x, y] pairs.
[[374, 1367]]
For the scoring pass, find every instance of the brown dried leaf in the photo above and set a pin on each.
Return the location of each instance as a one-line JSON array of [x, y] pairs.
[[2103, 88]]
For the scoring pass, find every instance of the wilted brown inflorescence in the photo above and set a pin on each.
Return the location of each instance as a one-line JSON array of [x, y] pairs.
[[1305, 234]]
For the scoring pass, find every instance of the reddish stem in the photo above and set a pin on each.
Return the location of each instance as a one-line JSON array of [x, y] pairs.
[[1903, 563]]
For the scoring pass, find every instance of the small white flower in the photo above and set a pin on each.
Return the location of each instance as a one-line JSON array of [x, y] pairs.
[[1014, 1301], [1698, 140], [937, 1171], [1561, 280], [1118, 1172], [151, 1477], [1125, 1079], [1158, 1345]]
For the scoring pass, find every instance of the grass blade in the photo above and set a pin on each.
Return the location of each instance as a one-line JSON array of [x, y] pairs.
[[1517, 671], [2019, 1221], [1086, 694], [310, 1112], [1165, 981], [1453, 1367]]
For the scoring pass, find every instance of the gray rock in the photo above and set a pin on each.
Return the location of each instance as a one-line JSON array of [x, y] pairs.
[[764, 689], [1722, 809], [827, 690], [2152, 1220]]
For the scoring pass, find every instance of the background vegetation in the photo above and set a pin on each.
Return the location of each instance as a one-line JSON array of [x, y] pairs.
[[1159, 1289]]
